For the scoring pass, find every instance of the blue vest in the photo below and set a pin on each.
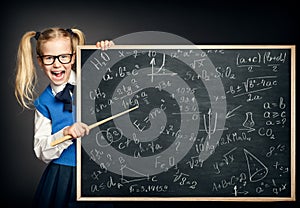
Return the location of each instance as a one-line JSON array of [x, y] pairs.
[[52, 109]]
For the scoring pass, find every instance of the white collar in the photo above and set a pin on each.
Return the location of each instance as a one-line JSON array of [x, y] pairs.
[[72, 80]]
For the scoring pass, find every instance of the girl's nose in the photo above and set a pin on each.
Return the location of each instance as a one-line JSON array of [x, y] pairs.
[[56, 62]]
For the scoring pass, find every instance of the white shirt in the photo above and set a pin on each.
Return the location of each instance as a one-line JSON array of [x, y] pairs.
[[42, 131]]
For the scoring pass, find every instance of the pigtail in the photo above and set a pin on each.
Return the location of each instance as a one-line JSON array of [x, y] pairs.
[[26, 76], [78, 38]]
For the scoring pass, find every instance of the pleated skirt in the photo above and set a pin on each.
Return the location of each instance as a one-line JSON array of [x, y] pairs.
[[57, 189]]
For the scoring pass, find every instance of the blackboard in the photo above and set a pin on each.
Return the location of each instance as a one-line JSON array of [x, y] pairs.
[[213, 123]]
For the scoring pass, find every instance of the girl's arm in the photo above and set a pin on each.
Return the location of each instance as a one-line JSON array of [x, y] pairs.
[[42, 139]]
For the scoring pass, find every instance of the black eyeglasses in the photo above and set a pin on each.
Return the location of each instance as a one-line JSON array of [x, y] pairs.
[[63, 58]]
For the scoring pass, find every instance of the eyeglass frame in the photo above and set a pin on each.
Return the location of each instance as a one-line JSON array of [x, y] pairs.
[[56, 57]]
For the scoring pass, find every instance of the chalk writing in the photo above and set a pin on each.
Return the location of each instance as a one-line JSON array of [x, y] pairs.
[[210, 123]]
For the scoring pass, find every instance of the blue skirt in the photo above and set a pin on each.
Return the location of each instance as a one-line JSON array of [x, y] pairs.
[[57, 188]]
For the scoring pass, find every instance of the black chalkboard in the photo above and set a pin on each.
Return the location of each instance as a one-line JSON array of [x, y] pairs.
[[213, 123]]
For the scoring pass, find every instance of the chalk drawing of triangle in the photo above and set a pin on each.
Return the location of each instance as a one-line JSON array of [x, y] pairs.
[[126, 171]]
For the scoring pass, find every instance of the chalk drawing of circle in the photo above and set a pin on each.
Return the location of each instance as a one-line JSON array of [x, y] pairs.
[[180, 146], [105, 138], [154, 164]]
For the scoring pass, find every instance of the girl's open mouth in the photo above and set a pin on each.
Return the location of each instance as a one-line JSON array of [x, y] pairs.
[[58, 74]]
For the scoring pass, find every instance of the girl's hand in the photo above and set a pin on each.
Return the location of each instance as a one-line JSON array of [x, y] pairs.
[[104, 44], [78, 129]]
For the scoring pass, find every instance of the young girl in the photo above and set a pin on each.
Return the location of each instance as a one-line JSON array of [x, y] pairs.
[[54, 110]]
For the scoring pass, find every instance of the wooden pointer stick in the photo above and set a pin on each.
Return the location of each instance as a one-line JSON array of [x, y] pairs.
[[62, 139]]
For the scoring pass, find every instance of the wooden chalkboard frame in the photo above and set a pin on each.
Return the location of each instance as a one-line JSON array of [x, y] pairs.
[[292, 197]]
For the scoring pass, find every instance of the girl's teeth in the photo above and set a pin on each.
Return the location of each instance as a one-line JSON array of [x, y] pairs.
[[57, 73]]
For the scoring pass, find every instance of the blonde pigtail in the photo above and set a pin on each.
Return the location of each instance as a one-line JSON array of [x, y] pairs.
[[78, 38], [26, 76]]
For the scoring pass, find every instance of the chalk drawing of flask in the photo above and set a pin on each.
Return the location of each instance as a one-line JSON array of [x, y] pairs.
[[249, 122]]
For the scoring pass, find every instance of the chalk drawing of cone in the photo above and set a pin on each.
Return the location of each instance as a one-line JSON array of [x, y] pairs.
[[256, 169]]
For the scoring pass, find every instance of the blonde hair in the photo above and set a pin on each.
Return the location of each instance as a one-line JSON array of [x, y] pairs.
[[26, 76]]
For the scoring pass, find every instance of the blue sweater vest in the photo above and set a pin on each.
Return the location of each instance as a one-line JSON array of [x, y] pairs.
[[52, 109]]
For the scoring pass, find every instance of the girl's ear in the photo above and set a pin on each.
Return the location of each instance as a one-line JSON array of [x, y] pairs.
[[39, 61], [73, 58]]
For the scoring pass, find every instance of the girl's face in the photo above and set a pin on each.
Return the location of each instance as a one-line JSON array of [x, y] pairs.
[[58, 73]]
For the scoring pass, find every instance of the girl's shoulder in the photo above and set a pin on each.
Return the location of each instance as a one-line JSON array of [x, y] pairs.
[[45, 99], [46, 94]]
